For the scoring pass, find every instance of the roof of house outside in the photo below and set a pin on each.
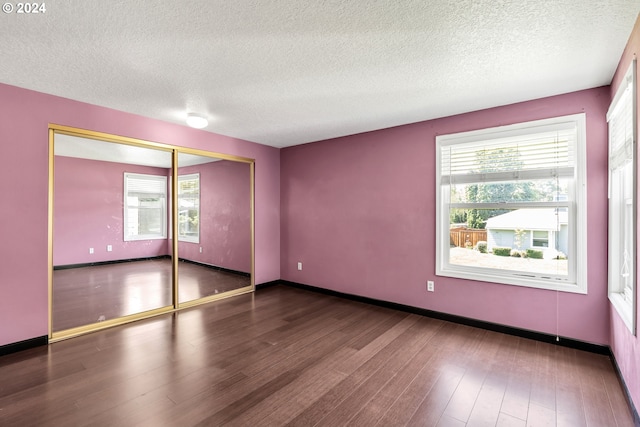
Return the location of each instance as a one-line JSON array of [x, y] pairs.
[[529, 219]]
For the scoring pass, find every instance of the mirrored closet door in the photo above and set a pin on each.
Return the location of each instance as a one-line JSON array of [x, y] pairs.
[[214, 227], [126, 243]]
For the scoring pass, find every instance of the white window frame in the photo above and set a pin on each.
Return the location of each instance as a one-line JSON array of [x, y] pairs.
[[622, 116], [183, 237], [576, 282], [160, 182]]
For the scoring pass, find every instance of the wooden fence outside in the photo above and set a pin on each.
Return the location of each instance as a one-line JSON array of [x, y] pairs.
[[462, 237]]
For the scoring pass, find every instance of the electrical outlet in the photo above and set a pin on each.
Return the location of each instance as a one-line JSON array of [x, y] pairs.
[[299, 266], [90, 250], [109, 248], [200, 249], [430, 286]]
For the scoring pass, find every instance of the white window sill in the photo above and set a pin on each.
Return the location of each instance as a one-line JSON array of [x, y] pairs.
[[513, 280], [147, 237], [624, 310], [189, 239]]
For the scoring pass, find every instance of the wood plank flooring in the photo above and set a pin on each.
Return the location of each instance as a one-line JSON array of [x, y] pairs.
[[289, 357], [86, 295]]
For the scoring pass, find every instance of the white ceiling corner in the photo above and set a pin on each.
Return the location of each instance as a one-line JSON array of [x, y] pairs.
[[290, 72]]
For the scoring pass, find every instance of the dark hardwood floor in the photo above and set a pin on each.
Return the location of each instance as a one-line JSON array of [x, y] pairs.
[[86, 295], [285, 356]]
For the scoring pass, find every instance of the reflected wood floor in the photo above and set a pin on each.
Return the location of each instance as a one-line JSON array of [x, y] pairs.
[[86, 295], [285, 356]]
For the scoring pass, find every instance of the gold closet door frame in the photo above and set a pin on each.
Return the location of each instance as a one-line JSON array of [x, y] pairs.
[[55, 129]]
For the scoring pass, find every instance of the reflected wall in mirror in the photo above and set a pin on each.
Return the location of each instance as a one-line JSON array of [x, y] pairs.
[[111, 246], [214, 227]]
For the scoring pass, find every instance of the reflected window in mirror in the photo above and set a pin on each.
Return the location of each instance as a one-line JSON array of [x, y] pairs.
[[189, 208], [145, 207]]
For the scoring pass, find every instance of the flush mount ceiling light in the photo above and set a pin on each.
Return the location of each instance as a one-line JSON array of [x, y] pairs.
[[196, 121]]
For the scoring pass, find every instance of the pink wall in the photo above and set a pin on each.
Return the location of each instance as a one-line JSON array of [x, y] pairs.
[[225, 233], [359, 212], [625, 346], [24, 119], [88, 213]]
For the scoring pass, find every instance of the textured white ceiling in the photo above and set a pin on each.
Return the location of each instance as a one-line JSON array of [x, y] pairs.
[[286, 72]]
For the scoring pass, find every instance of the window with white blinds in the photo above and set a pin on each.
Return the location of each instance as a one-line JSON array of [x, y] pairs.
[[622, 199], [145, 207], [511, 204]]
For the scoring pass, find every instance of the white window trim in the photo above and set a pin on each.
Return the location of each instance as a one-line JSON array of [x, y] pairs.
[[577, 210], [627, 309], [533, 239], [190, 239], [163, 235]]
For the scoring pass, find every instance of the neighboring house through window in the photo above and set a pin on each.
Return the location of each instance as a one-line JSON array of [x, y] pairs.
[[544, 229], [518, 194]]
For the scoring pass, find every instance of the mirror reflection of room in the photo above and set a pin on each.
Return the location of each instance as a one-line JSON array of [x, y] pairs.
[[110, 208], [112, 245], [214, 226]]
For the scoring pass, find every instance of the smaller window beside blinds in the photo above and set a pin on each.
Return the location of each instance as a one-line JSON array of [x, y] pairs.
[[189, 208], [622, 199]]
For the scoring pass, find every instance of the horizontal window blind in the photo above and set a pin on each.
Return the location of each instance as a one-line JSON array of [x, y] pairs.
[[145, 184], [545, 153], [620, 118]]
